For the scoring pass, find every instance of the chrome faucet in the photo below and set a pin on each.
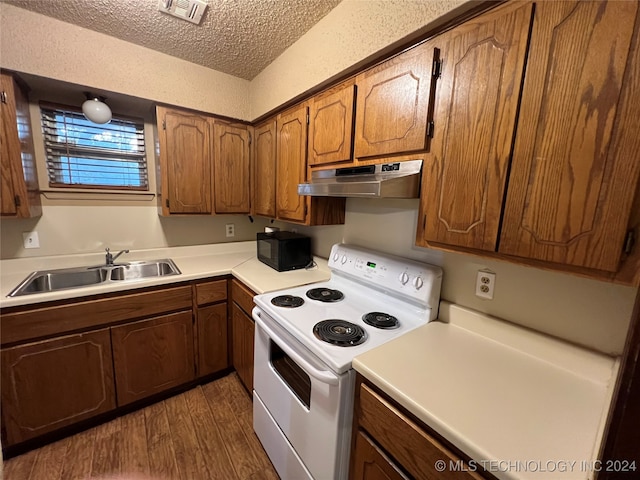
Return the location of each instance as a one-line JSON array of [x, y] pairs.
[[110, 258]]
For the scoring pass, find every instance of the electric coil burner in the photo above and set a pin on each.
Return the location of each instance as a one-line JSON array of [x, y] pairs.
[[339, 332], [287, 301], [325, 294], [381, 320]]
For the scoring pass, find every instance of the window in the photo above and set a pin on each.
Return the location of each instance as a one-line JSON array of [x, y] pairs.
[[84, 154]]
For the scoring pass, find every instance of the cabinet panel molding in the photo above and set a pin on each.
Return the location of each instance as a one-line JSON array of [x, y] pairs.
[[232, 167], [185, 161], [50, 384], [575, 169], [212, 339], [152, 355], [331, 116], [475, 118], [265, 169], [392, 110], [291, 148]]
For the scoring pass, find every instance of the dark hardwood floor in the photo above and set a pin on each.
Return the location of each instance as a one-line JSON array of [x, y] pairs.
[[202, 434]]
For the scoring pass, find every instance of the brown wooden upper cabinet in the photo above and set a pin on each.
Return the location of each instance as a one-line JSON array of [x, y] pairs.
[[393, 108], [231, 170], [291, 163], [475, 116], [185, 161], [19, 193], [331, 117], [264, 198], [575, 165], [567, 194]]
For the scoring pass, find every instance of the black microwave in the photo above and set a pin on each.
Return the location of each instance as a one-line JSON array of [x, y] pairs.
[[284, 251]]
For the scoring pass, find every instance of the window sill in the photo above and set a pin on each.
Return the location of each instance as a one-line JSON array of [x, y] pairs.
[[111, 196]]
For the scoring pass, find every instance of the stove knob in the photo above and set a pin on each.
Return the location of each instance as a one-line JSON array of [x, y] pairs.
[[418, 283], [404, 278], [336, 256], [343, 260]]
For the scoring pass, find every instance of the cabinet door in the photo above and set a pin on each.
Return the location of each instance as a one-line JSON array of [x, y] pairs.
[[152, 355], [185, 161], [53, 383], [19, 194], [243, 332], [575, 164], [212, 339], [392, 110], [474, 121], [232, 169], [291, 149], [264, 201], [370, 463], [331, 125]]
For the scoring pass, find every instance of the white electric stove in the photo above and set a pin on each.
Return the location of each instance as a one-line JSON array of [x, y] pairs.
[[306, 338]]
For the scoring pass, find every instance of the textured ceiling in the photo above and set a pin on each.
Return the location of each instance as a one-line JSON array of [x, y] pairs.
[[238, 37]]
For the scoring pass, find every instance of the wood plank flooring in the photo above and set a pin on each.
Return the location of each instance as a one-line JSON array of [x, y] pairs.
[[203, 434]]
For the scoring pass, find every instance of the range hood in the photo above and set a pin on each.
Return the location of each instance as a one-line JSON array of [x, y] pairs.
[[386, 180]]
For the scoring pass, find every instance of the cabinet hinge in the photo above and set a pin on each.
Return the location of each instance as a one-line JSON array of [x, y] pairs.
[[436, 69], [430, 129], [629, 242], [307, 119], [424, 222], [164, 124], [3, 97], [17, 201], [166, 202]]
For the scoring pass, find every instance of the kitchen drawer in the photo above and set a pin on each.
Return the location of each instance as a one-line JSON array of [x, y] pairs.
[[211, 292], [32, 323], [404, 440], [242, 295]]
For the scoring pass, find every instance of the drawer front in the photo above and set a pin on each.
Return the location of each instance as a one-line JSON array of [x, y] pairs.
[[242, 295], [211, 292], [406, 441], [59, 319]]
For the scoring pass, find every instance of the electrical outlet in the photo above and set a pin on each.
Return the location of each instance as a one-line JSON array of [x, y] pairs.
[[231, 230], [485, 284], [31, 239]]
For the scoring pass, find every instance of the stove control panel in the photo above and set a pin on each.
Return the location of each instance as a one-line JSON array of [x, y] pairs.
[[419, 281]]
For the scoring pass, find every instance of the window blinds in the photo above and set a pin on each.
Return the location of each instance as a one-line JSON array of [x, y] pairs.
[[84, 154]]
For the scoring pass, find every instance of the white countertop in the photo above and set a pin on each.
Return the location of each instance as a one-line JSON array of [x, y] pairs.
[[523, 405], [195, 262]]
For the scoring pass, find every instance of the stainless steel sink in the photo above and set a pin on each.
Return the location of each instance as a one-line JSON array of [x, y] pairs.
[[137, 270], [66, 278]]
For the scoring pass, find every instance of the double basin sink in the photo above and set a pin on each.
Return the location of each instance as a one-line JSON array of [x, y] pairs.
[[61, 279]]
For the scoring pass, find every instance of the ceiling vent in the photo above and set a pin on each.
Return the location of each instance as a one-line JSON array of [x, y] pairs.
[[190, 10]]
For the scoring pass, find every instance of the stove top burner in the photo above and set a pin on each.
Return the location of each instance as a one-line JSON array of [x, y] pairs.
[[325, 294], [381, 320], [339, 332], [287, 301]]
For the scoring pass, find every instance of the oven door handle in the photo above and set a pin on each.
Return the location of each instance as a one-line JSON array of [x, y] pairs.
[[324, 376]]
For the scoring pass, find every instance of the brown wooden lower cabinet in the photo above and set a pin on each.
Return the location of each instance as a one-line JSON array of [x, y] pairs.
[[212, 339], [53, 383], [387, 443], [370, 462], [152, 355], [243, 332]]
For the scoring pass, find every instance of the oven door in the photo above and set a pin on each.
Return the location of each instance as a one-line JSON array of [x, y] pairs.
[[302, 409]]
